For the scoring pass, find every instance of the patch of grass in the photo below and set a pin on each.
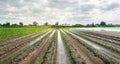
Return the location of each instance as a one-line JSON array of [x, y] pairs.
[[1, 62], [17, 31]]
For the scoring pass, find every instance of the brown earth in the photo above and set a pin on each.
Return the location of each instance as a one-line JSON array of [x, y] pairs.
[[82, 54], [50, 57]]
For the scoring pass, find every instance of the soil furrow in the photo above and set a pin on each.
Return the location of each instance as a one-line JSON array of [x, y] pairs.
[[50, 57], [81, 53], [16, 47], [18, 52]]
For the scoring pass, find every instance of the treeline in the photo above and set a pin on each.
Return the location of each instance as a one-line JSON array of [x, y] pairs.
[[21, 24], [35, 23], [101, 24]]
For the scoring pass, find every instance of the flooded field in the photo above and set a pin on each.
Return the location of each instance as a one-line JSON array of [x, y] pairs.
[[61, 53], [113, 29], [63, 46]]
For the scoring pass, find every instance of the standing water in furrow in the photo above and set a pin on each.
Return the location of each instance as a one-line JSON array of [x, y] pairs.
[[107, 52], [61, 53]]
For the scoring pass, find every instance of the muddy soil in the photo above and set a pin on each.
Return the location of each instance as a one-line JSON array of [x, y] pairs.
[[102, 49], [17, 52], [9, 49], [82, 55], [50, 57], [39, 49], [116, 34]]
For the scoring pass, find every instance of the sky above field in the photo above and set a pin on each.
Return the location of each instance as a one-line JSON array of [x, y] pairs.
[[64, 11]]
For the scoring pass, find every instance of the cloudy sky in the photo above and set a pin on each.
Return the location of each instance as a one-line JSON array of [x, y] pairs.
[[64, 11]]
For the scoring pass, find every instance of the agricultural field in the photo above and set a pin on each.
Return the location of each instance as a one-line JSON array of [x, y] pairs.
[[18, 31], [58, 46]]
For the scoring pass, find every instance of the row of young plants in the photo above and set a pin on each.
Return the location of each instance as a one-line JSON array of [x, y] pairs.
[[14, 46], [102, 38], [18, 38], [68, 50], [107, 59], [19, 52], [106, 46], [42, 55], [17, 44], [112, 37]]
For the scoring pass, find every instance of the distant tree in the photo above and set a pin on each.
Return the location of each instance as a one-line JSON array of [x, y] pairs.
[[14, 25], [7, 24], [35, 23], [21, 23], [30, 25], [103, 23], [78, 25], [0, 24], [110, 25], [93, 25], [46, 23], [88, 25], [57, 23]]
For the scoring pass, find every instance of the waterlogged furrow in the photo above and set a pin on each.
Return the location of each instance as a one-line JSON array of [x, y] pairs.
[[61, 53], [19, 43], [21, 50], [39, 38], [79, 53], [43, 49], [50, 57], [6, 42], [109, 40], [101, 49]]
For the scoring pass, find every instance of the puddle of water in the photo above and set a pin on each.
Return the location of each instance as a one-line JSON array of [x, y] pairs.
[[52, 33], [22, 37], [112, 29], [88, 42], [99, 48], [38, 39], [61, 53], [103, 38], [27, 46]]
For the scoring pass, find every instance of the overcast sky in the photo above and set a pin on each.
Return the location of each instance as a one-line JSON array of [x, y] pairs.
[[64, 11]]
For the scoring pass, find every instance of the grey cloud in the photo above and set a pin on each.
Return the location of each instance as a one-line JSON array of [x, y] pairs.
[[84, 8], [15, 3], [111, 6], [61, 4], [80, 18], [72, 10], [85, 0], [87, 7]]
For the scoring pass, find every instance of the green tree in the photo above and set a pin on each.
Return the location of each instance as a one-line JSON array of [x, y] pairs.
[[57, 23], [14, 25], [7, 24], [0, 24], [78, 25], [93, 25], [21, 23], [35, 23], [46, 23], [103, 23]]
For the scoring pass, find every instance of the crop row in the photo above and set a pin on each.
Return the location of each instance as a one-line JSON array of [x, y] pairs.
[[106, 58]]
